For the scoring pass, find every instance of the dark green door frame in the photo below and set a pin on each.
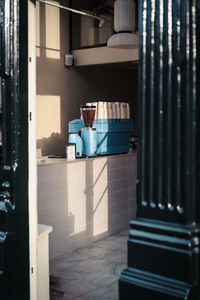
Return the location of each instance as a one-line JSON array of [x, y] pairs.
[[164, 240], [14, 225]]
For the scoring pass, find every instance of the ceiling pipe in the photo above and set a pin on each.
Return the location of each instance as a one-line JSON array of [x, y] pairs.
[[101, 20]]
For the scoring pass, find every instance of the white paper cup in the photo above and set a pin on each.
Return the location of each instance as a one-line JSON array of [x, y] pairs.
[[110, 110], [114, 110], [100, 110], [122, 110], [128, 115], [118, 111], [105, 110]]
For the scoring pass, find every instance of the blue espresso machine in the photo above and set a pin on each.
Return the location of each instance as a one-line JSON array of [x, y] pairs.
[[106, 136]]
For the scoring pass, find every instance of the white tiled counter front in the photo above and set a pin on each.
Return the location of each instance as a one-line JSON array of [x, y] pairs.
[[86, 200]]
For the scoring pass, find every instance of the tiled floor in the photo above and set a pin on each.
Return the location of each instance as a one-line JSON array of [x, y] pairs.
[[90, 273]]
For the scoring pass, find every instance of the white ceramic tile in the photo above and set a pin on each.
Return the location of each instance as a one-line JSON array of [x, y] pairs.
[[77, 199]]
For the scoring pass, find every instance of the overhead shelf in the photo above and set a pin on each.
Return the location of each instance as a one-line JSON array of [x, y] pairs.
[[104, 55]]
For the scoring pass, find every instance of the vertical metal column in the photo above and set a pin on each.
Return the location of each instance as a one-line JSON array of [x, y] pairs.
[[164, 244]]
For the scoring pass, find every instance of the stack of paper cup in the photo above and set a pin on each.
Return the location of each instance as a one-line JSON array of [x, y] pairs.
[[100, 110], [105, 110], [96, 111], [114, 110], [118, 110], [127, 110], [122, 110], [110, 110]]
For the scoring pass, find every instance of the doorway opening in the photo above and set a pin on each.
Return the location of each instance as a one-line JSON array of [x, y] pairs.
[[86, 201]]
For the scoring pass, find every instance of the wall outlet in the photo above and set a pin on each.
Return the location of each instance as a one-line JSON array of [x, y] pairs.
[[69, 60]]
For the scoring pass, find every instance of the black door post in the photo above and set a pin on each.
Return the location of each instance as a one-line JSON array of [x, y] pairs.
[[164, 244], [14, 217]]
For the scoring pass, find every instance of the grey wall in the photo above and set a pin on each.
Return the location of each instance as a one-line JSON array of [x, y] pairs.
[[73, 86]]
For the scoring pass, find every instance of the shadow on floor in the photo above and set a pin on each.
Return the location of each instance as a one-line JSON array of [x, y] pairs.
[[90, 273]]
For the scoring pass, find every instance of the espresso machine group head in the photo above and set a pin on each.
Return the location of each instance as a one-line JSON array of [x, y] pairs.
[[86, 139]]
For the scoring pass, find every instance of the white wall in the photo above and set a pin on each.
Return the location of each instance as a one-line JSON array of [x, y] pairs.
[[32, 176], [61, 90]]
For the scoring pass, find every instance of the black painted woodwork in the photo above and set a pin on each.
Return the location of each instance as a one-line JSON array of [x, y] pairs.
[[14, 229], [163, 244]]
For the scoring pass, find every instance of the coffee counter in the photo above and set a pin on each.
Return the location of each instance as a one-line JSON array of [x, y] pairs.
[[45, 160], [86, 199]]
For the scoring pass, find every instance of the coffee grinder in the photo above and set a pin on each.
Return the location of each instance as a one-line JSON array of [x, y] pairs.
[[86, 139]]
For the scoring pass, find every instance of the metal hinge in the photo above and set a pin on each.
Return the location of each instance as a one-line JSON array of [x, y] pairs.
[[30, 116]]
